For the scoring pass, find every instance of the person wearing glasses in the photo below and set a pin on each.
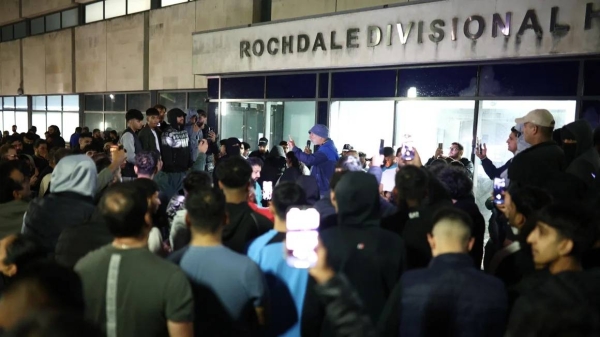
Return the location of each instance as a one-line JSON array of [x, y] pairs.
[[8, 152], [455, 158], [515, 145]]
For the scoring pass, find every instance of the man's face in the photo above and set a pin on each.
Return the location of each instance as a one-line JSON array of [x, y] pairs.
[[180, 120], [512, 142], [546, 244], [14, 128], [153, 121], [12, 154], [201, 119], [4, 244], [25, 191], [135, 124], [18, 145], [529, 132], [162, 113], [255, 172], [262, 149], [51, 130], [317, 140], [193, 119], [455, 153], [42, 150], [84, 142], [515, 219], [285, 148], [97, 135]]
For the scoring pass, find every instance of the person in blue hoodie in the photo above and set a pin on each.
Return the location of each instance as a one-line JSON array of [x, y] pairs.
[[323, 161], [194, 132]]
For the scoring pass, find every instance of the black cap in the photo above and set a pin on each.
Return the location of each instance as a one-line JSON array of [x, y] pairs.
[[263, 141], [347, 147], [134, 114]]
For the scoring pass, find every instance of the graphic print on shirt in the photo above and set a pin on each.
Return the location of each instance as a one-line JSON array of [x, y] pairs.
[[176, 139]]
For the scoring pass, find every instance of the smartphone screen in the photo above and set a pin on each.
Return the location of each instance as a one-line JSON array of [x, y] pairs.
[[441, 146], [381, 146], [499, 188], [408, 152], [302, 237], [267, 192], [308, 143]]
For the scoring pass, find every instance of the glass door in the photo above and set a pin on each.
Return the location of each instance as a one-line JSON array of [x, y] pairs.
[[245, 121]]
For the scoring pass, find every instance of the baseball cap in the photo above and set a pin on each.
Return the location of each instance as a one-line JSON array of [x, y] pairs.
[[263, 141], [539, 117]]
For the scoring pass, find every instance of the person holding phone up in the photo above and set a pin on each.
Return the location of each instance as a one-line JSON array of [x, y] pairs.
[[323, 161], [455, 155]]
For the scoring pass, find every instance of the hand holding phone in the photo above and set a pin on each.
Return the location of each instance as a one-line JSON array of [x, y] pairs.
[[267, 191], [381, 146], [302, 237], [499, 190]]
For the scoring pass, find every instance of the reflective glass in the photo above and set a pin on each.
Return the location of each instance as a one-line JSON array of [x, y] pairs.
[[349, 117], [20, 30], [38, 119], [94, 12], [94, 102], [134, 6], [243, 87], [55, 118], [530, 79], [114, 122], [2, 122], [138, 101], [37, 26], [323, 85], [54, 103], [39, 102], [362, 84], [114, 102], [94, 121], [70, 18], [71, 102], [592, 78], [290, 119], [165, 3], [9, 103], [437, 82], [21, 102], [213, 88], [292, 86], [22, 121], [52, 22], [114, 8], [322, 113], [9, 120], [70, 122], [244, 121], [590, 111], [172, 100], [197, 100], [7, 33]]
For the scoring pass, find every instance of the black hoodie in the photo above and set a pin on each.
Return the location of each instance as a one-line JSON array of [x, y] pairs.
[[371, 258], [175, 148], [243, 227], [582, 158]]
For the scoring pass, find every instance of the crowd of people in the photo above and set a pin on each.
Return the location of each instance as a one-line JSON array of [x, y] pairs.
[[165, 229]]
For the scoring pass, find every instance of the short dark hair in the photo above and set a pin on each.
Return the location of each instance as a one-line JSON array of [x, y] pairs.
[[206, 210], [147, 186], [234, 172], [286, 195], [145, 162], [348, 163], [459, 146], [56, 154], [388, 151], [78, 129], [114, 132], [85, 135], [283, 143], [7, 187], [529, 199], [201, 113], [124, 207], [255, 161], [246, 146], [56, 129], [85, 128], [160, 107], [196, 181], [335, 179], [39, 142], [134, 114], [572, 221], [412, 183], [456, 181], [453, 214], [96, 130], [23, 251], [152, 112]]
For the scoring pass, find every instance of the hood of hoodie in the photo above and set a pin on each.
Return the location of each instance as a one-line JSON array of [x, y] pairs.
[[75, 174], [582, 131], [276, 152], [190, 113], [172, 118], [357, 196], [522, 145]]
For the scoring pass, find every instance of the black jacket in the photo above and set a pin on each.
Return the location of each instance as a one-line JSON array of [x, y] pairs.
[[244, 226], [466, 162], [371, 258], [128, 170], [491, 170], [537, 165], [147, 139], [175, 147], [75, 242], [585, 162], [478, 231]]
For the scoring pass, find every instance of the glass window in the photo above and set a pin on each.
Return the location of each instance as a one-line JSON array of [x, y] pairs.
[[39, 102], [38, 119], [592, 78], [496, 118], [358, 84], [54, 103], [94, 12], [172, 100], [9, 103], [590, 111], [348, 117], [9, 120], [322, 113], [530, 79], [70, 18], [21, 102], [114, 102], [290, 119], [52, 22], [37, 26], [213, 88], [245, 121], [70, 121], [138, 101], [7, 33], [114, 122], [20, 30], [71, 102], [432, 122], [94, 102], [22, 121], [165, 3], [243, 87], [323, 85], [437, 82], [134, 6], [55, 118], [292, 86], [197, 100], [94, 121], [114, 8]]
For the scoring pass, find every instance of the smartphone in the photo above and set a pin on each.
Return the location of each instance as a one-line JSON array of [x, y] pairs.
[[381, 146], [499, 188], [478, 144], [308, 143], [267, 192], [302, 237], [408, 152], [440, 146]]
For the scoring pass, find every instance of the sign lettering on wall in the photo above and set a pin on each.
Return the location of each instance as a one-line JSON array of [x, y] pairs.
[[407, 34]]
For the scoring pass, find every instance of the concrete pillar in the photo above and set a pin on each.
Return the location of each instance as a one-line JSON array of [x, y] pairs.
[[287, 9], [217, 14], [90, 57], [125, 53], [59, 62], [9, 11], [34, 65]]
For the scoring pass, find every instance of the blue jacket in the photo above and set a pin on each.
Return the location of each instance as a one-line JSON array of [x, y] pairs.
[[322, 163], [452, 297]]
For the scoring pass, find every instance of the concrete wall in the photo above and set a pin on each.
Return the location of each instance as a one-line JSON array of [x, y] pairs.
[[217, 14], [90, 57], [33, 8], [34, 65], [346, 5], [288, 9], [125, 53], [9, 11], [170, 55], [59, 62], [10, 67]]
